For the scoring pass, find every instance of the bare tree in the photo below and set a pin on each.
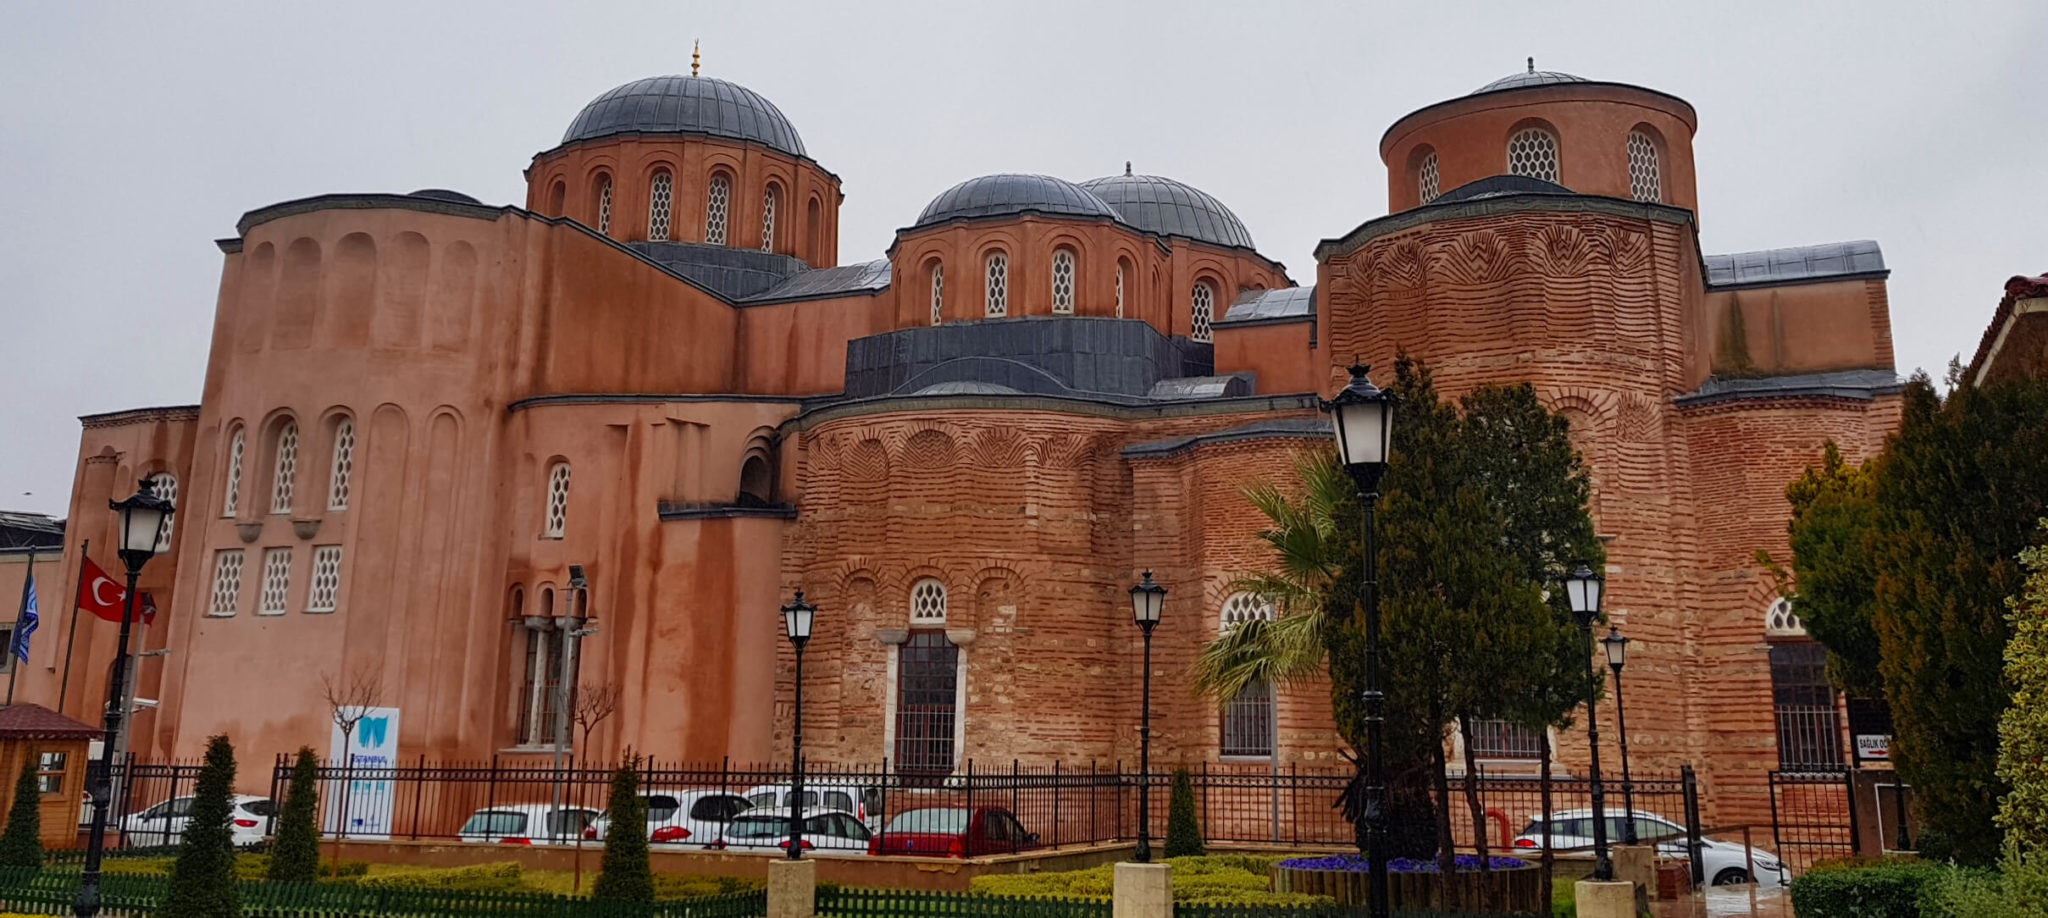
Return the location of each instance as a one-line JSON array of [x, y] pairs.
[[594, 703], [349, 699]]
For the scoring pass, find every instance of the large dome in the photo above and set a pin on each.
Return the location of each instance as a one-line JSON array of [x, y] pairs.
[[686, 105], [1012, 193], [1170, 208]]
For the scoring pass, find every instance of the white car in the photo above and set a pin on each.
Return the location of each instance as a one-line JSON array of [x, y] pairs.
[[691, 817], [528, 824], [164, 823], [864, 801], [1723, 863], [824, 830]]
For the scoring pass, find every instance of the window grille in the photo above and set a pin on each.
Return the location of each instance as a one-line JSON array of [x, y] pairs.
[[1427, 178], [998, 285], [1248, 721], [928, 603], [768, 219], [1781, 621], [1809, 727], [287, 468], [543, 673], [1500, 739], [234, 488], [326, 584], [1119, 291], [927, 698], [1063, 282], [716, 204], [1533, 152], [1643, 181], [277, 581], [604, 206], [1245, 607], [344, 463], [166, 488], [658, 203], [558, 501], [227, 582], [938, 293], [1201, 327]]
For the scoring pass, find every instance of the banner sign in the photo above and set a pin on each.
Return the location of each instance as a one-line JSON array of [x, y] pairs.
[[361, 807], [1873, 747]]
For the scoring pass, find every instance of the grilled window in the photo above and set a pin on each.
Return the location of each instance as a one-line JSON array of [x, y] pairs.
[[1248, 722], [604, 205], [1643, 180], [344, 464], [938, 293], [1809, 728], [1500, 739], [1119, 291], [227, 582], [1426, 178], [928, 603], [277, 581], [1201, 324], [326, 584], [558, 501], [768, 219], [998, 285], [166, 488], [717, 204], [234, 484], [286, 469], [658, 205], [1533, 152], [927, 695], [543, 673], [1781, 621], [1063, 282]]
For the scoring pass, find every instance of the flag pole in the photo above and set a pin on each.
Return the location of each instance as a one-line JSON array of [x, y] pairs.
[[71, 638], [14, 663]]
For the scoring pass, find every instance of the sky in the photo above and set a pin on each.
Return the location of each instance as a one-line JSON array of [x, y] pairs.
[[133, 135]]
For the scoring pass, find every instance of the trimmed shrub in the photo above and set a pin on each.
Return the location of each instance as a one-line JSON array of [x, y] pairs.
[[21, 845], [1885, 890], [673, 886], [296, 856], [1227, 879], [1183, 827], [203, 877], [2019, 890], [500, 877], [626, 875]]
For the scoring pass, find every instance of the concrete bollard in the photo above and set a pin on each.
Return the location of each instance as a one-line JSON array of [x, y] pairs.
[[1146, 891], [1605, 898], [792, 888], [1637, 864]]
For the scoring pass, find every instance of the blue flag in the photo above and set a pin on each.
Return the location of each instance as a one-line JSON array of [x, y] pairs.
[[27, 625]]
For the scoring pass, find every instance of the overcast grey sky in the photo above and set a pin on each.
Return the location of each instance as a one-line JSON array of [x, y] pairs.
[[132, 136]]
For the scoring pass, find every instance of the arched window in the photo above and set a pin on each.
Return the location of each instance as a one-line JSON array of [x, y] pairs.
[[1781, 621], [814, 224], [1248, 723], [928, 604], [1533, 152], [1119, 289], [558, 195], [757, 482], [938, 292], [557, 517], [237, 444], [1202, 323], [1643, 181], [658, 202], [768, 202], [542, 672], [344, 463], [1425, 178], [927, 685], [1063, 282], [717, 203], [604, 205], [998, 285], [285, 469], [166, 488]]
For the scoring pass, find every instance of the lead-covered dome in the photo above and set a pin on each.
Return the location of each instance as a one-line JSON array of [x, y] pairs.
[[1169, 208], [1531, 77], [686, 105], [1014, 193]]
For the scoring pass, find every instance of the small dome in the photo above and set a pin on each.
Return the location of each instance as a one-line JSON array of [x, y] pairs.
[[1528, 78], [1011, 193], [686, 105], [443, 194], [1170, 208], [967, 387]]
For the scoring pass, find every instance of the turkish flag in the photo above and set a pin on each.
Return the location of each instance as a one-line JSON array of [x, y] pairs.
[[102, 595]]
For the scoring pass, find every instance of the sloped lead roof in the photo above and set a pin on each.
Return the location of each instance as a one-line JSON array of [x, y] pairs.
[[1795, 265], [1169, 208], [1268, 305], [1013, 193], [687, 105]]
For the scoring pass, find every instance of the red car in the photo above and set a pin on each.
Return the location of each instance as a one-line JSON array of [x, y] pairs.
[[953, 831]]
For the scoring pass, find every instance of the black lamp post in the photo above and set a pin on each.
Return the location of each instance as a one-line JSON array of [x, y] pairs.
[[1584, 588], [796, 621], [1363, 418], [140, 517], [1617, 656], [1148, 599]]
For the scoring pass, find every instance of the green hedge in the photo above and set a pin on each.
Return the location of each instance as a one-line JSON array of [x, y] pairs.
[[1217, 879], [503, 877], [1863, 889]]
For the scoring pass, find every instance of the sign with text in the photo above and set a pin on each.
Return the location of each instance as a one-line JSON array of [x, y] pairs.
[[1873, 747], [360, 805]]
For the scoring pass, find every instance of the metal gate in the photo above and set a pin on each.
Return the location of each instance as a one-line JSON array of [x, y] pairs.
[[1813, 816]]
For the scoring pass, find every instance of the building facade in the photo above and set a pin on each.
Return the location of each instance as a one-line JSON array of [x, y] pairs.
[[420, 411]]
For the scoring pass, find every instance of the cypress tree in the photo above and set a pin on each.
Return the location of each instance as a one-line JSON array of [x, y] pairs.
[[1183, 828], [296, 856], [21, 845], [626, 875], [203, 878], [2023, 731]]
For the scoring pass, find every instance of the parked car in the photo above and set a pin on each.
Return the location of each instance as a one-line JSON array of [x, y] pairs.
[[953, 831], [164, 823], [1723, 863], [864, 801], [824, 830], [691, 817], [527, 824]]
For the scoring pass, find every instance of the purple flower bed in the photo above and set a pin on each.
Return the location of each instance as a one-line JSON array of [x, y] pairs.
[[1357, 863]]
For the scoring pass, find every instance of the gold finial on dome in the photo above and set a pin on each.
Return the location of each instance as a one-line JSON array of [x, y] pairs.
[[1532, 65], [697, 56]]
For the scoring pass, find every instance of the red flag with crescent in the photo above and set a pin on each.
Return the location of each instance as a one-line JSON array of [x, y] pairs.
[[102, 595]]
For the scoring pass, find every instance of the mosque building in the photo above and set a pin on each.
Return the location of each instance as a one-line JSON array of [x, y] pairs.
[[423, 415]]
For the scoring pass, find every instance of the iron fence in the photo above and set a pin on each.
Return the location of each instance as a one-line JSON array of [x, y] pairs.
[[148, 803], [1813, 816]]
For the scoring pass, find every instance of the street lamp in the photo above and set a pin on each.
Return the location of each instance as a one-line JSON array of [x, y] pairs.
[[140, 518], [1362, 416], [1148, 599], [797, 618], [1617, 656], [1584, 587]]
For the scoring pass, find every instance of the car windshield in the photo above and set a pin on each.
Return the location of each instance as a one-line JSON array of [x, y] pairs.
[[931, 822], [495, 822], [758, 827], [764, 798]]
